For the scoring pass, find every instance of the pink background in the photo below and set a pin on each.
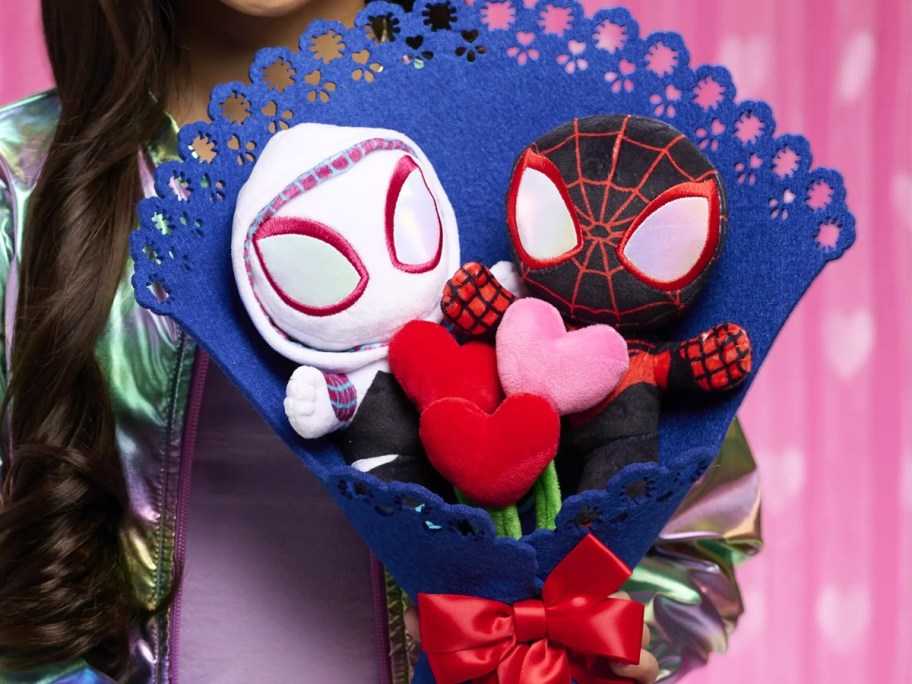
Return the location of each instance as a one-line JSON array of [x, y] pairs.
[[830, 598]]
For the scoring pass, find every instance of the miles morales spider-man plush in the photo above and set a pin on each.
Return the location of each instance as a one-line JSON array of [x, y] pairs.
[[618, 220]]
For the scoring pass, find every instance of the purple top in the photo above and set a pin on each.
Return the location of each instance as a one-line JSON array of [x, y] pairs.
[[277, 582]]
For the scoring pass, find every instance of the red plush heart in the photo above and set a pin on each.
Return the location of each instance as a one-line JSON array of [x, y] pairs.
[[491, 458], [431, 365]]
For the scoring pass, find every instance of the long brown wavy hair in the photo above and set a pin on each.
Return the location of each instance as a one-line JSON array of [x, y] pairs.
[[65, 591]]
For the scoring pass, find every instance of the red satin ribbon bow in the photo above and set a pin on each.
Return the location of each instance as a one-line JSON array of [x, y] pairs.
[[570, 632]]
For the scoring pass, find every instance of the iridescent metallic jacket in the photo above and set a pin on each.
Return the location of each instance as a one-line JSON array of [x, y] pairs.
[[687, 581]]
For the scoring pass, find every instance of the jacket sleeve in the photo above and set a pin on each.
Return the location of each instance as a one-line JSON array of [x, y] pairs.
[[687, 580], [6, 252]]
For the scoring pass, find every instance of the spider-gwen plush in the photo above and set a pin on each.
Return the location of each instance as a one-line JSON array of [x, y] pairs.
[[617, 220], [340, 237]]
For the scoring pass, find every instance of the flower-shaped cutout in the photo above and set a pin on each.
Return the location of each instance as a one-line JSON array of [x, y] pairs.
[[621, 79], [366, 69], [819, 195], [749, 128], [746, 172], [785, 162], [574, 60], [416, 55], [471, 50], [828, 235], [498, 16], [779, 207], [708, 93], [440, 16], [278, 121], [555, 21], [236, 108], [708, 138], [180, 186], [321, 90], [245, 150], [203, 148], [279, 75], [664, 103], [215, 189], [327, 46], [523, 52], [610, 37], [383, 28], [661, 59]]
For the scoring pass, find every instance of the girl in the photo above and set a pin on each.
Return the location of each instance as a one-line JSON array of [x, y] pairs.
[[99, 568]]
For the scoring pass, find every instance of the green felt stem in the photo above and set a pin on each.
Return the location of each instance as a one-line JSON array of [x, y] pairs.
[[547, 498], [506, 521]]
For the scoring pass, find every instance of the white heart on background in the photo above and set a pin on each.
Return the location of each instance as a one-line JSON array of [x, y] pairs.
[[783, 476], [848, 340], [901, 196], [858, 62], [749, 59], [844, 616]]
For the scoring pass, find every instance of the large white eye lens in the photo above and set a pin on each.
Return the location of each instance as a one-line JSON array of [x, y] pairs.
[[541, 218], [676, 237], [310, 266], [414, 231]]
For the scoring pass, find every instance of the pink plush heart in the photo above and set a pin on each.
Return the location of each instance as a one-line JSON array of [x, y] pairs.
[[573, 370], [525, 38]]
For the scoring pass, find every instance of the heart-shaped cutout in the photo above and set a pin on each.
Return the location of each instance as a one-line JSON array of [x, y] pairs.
[[430, 365], [576, 47], [573, 370], [494, 459]]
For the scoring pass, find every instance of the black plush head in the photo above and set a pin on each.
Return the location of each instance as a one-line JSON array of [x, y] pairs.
[[616, 219]]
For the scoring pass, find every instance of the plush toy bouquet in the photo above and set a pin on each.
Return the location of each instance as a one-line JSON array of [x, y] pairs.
[[499, 275]]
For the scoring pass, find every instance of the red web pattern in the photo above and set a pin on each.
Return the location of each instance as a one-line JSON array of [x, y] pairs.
[[614, 224]]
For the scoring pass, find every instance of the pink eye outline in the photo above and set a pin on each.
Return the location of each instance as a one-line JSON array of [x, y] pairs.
[[708, 190], [296, 225], [404, 169], [537, 162]]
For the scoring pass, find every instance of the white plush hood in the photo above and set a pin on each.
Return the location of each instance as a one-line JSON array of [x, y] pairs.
[[340, 237]]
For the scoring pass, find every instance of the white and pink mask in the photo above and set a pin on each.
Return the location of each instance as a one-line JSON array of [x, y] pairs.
[[340, 237]]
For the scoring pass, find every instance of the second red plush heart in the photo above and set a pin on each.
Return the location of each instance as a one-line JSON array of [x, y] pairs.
[[430, 365], [494, 459]]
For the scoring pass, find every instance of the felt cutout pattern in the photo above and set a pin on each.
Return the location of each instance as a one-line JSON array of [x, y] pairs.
[[492, 458], [183, 267], [573, 370]]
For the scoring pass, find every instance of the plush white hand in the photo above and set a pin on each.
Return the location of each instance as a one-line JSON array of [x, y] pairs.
[[508, 276], [307, 404]]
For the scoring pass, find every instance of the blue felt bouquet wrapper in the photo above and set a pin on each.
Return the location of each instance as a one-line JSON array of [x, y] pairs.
[[473, 86]]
